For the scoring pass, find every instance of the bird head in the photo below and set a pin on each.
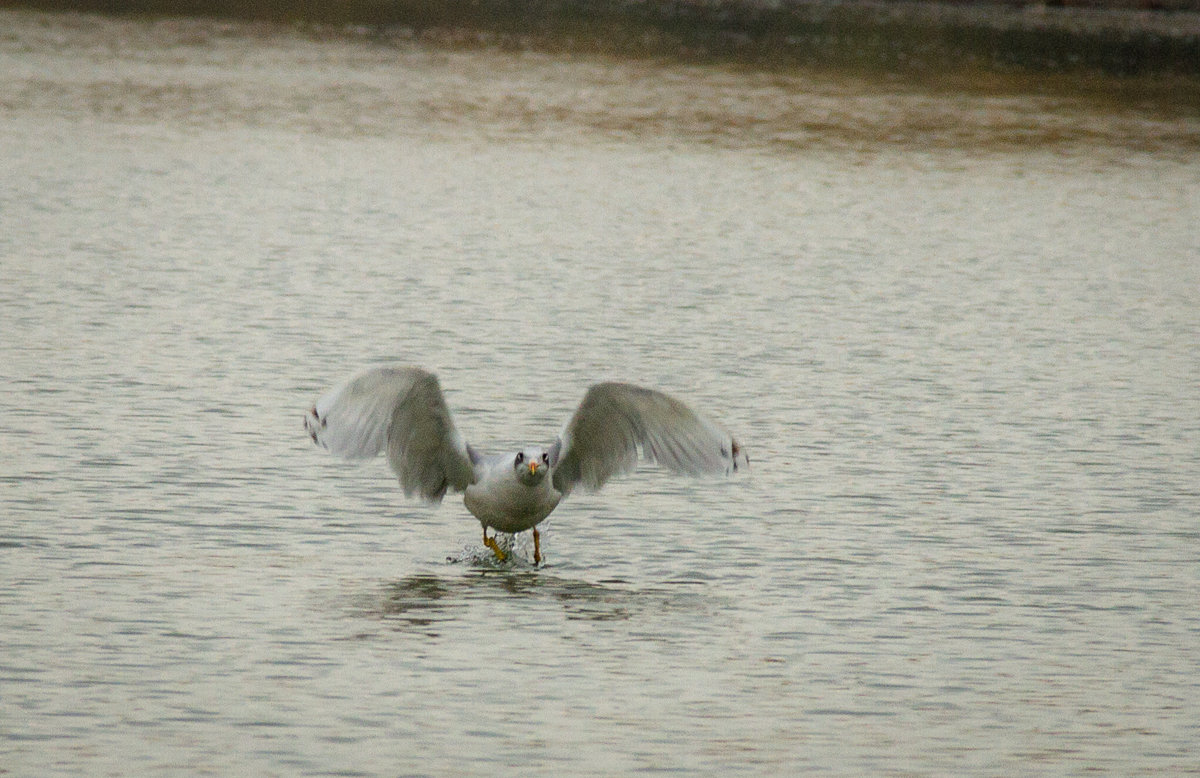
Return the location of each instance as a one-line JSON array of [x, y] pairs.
[[531, 465]]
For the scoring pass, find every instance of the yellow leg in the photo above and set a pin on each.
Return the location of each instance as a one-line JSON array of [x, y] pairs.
[[537, 547], [494, 546]]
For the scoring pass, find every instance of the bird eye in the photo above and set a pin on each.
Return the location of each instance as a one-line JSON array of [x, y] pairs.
[[520, 457], [546, 458]]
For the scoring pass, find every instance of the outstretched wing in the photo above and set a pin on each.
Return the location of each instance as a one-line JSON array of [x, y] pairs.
[[400, 409], [614, 420]]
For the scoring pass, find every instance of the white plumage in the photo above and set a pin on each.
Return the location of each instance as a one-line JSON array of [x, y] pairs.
[[402, 410]]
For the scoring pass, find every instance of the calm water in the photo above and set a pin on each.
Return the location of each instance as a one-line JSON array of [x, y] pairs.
[[958, 332]]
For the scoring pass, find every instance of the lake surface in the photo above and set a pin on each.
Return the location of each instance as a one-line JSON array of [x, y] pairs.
[[957, 330]]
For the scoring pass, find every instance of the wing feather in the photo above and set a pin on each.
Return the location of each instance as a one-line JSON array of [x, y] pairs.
[[402, 410], [615, 420]]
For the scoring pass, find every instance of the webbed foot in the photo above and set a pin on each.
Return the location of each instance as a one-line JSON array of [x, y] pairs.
[[494, 546]]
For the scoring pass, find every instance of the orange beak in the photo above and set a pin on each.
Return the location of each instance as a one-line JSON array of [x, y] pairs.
[[533, 466]]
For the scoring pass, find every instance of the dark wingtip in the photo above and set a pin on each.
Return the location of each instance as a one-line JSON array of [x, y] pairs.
[[736, 449], [312, 423]]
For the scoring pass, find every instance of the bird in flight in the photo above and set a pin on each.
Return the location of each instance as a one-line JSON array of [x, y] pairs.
[[401, 410]]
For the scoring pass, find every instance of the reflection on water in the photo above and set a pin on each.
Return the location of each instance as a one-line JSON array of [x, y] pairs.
[[422, 601], [957, 332]]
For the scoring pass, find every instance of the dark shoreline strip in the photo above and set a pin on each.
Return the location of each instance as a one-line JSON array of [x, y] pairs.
[[1111, 37]]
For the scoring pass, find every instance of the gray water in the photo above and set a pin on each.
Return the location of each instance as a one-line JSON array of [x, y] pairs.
[[958, 333]]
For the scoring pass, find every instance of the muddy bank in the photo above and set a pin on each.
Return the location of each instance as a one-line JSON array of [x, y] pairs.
[[1115, 37]]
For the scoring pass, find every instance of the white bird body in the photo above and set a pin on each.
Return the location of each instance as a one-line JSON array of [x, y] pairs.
[[500, 500], [402, 410]]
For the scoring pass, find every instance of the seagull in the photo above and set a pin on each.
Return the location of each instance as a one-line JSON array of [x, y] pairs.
[[402, 410]]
